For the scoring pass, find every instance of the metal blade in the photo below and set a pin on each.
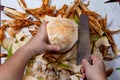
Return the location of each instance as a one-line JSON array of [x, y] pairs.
[[84, 40], [110, 1]]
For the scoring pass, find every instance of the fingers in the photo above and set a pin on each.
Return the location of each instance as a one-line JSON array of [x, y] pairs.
[[52, 48], [42, 28], [42, 33], [44, 24], [83, 76], [94, 59], [82, 70], [85, 63]]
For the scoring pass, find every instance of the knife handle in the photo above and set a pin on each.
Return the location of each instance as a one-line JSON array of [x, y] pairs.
[[91, 64], [85, 78]]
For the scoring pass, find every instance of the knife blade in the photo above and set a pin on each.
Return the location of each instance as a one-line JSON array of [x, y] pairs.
[[83, 50], [2, 7], [110, 1]]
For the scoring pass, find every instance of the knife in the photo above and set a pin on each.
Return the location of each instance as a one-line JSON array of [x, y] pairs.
[[83, 51], [110, 1]]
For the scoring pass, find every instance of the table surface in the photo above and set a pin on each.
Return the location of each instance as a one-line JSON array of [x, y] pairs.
[[112, 10]]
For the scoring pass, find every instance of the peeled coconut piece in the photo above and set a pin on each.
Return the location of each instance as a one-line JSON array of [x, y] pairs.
[[102, 41], [7, 42], [62, 32], [39, 67], [31, 78], [97, 53], [71, 54], [73, 77], [22, 39]]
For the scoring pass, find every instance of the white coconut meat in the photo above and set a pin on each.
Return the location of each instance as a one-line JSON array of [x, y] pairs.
[[64, 75], [73, 77], [97, 53], [102, 41], [70, 54], [39, 67], [17, 42], [62, 32], [31, 78], [7, 42], [22, 39]]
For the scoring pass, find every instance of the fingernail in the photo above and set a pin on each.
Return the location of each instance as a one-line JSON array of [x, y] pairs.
[[83, 60]]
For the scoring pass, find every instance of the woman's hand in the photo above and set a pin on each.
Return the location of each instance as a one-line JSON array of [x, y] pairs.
[[39, 43], [16, 64], [96, 71]]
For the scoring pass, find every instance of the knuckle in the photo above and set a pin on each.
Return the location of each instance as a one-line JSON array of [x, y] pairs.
[[101, 61]]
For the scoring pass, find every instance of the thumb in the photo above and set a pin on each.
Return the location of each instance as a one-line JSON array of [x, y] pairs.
[[42, 28], [94, 59], [85, 63], [52, 48]]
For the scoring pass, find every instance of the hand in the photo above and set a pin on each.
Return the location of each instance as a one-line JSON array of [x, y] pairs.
[[96, 71], [39, 43]]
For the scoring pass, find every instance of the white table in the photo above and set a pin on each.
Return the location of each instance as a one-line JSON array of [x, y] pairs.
[[111, 9]]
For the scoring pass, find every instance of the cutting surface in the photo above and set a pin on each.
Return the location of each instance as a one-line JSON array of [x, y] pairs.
[[112, 10]]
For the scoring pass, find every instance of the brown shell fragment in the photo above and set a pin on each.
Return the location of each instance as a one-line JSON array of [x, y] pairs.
[[109, 72], [14, 12], [13, 16], [46, 2], [2, 34], [23, 4], [3, 55], [99, 31], [108, 57], [62, 10]]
